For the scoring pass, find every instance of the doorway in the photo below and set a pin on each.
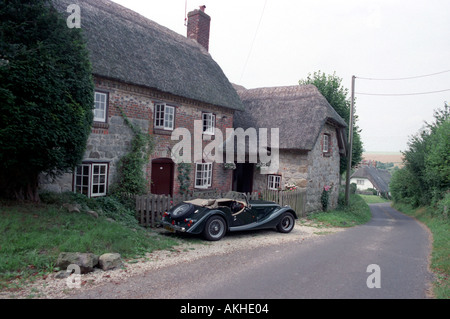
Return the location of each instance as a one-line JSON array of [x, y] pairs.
[[162, 176], [243, 177]]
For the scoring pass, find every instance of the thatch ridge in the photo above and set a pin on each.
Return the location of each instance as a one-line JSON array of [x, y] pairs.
[[130, 48]]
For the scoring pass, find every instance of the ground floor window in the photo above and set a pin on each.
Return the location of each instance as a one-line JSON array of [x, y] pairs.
[[274, 182], [203, 175], [91, 179]]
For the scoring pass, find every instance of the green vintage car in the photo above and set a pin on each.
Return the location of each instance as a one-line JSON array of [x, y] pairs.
[[213, 218]]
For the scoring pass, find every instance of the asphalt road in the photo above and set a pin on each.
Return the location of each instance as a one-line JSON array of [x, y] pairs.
[[329, 267]]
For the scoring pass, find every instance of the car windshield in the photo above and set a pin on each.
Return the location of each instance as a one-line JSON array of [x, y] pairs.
[[237, 196]]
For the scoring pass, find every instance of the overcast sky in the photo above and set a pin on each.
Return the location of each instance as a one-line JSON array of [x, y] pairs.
[[260, 43]]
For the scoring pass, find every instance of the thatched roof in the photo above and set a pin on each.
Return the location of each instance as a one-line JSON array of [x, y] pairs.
[[380, 178], [300, 112], [128, 47]]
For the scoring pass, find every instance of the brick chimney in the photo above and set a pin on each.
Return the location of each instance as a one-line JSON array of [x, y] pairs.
[[198, 26]]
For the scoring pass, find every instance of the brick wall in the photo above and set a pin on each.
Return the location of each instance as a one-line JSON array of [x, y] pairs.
[[110, 141]]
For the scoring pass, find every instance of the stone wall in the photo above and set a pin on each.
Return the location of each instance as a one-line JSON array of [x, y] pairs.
[[309, 170], [323, 170]]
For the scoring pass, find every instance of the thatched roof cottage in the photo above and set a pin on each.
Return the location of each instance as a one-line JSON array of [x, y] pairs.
[[162, 81], [312, 139], [368, 177]]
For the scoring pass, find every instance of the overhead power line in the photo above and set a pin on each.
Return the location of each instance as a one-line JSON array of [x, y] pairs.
[[254, 38], [403, 94], [404, 78]]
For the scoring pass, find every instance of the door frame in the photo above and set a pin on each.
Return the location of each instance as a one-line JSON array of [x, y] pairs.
[[172, 171]]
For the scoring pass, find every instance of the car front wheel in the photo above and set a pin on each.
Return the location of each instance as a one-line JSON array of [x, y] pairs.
[[286, 224], [215, 228]]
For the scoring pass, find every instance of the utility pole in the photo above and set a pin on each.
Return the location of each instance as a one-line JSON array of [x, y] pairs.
[[350, 144]]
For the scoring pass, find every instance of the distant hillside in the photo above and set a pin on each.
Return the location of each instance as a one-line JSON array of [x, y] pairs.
[[396, 158]]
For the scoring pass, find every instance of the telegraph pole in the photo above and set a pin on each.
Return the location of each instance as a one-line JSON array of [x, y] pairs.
[[350, 144]]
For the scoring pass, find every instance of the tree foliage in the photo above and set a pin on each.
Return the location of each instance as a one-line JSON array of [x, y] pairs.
[[46, 96], [330, 86], [425, 178]]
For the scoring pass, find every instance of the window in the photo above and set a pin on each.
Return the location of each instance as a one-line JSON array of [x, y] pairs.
[[101, 107], [164, 117], [274, 182], [209, 123], [326, 143], [91, 179], [360, 182], [203, 175]]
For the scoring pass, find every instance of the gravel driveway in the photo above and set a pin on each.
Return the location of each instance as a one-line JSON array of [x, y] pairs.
[[53, 288]]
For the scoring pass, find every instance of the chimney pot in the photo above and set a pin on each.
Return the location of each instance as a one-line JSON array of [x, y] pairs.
[[203, 8]]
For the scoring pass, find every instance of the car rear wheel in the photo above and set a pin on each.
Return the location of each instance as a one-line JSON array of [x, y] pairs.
[[286, 224], [215, 228]]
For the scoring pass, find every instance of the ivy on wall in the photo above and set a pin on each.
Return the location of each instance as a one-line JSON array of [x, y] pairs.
[[131, 177]]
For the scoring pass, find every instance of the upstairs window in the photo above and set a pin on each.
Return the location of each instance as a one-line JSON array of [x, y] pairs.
[[209, 123], [203, 175], [164, 117], [326, 144], [101, 107]]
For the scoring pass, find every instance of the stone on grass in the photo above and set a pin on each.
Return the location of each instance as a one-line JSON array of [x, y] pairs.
[[110, 261], [85, 261]]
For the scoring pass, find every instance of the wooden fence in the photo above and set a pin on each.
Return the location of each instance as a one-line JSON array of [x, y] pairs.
[[150, 207]]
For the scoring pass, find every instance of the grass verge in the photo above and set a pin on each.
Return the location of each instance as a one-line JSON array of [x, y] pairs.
[[32, 236], [373, 199], [356, 213], [440, 258]]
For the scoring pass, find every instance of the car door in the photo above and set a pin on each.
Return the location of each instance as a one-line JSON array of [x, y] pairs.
[[246, 217]]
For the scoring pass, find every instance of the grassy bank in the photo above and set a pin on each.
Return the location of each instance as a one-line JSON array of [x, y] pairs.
[[440, 261], [373, 199], [357, 213], [32, 236]]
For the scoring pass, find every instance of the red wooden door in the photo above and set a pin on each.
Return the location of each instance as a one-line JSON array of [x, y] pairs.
[[162, 177]]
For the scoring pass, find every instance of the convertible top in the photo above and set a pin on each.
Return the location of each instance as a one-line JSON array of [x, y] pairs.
[[212, 203]]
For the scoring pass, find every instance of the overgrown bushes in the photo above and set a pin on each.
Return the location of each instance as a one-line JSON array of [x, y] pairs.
[[425, 178], [108, 207]]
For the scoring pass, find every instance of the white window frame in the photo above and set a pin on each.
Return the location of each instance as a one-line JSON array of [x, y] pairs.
[[83, 173], [203, 175], [99, 179], [326, 143], [360, 182], [101, 107], [91, 179], [164, 117], [209, 123], [274, 182]]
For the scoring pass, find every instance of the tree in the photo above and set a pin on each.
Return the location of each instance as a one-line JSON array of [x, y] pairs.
[[426, 175], [46, 96], [330, 86]]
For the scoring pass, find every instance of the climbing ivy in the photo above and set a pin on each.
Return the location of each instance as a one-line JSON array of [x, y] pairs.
[[131, 178], [184, 177]]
